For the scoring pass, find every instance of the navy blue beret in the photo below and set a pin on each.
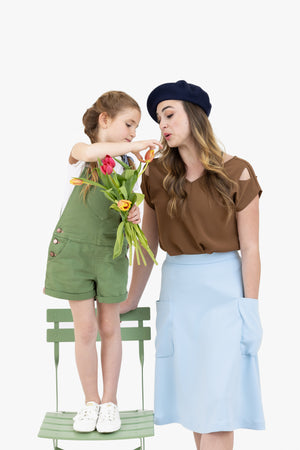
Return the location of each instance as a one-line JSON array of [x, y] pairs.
[[181, 90]]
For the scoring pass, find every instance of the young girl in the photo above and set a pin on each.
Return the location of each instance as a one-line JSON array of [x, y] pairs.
[[80, 264], [202, 206]]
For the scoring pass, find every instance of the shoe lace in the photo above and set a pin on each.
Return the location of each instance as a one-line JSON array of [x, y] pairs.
[[108, 413], [88, 412]]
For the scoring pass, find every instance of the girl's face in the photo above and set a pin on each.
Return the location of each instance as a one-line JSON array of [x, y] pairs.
[[122, 128], [173, 122]]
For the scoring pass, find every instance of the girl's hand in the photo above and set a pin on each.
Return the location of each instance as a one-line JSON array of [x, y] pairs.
[[149, 144], [134, 215]]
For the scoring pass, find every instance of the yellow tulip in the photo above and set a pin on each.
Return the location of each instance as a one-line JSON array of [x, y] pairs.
[[76, 182], [124, 205]]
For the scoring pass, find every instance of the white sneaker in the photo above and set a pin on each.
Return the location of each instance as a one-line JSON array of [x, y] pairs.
[[86, 419], [109, 418]]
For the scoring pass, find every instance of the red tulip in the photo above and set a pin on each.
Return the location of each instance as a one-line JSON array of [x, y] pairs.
[[106, 169], [109, 161], [108, 164]]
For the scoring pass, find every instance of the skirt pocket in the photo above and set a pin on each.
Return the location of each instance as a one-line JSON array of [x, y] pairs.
[[251, 326], [164, 340]]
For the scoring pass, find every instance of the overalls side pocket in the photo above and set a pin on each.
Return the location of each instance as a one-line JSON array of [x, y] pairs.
[[164, 339], [251, 326], [57, 245]]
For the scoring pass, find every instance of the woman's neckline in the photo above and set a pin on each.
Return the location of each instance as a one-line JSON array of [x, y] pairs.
[[225, 162]]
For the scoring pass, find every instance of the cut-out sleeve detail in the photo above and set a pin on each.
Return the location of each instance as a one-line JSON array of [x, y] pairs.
[[245, 174], [146, 189], [248, 187]]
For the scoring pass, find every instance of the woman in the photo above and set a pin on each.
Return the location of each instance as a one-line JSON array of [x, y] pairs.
[[202, 206]]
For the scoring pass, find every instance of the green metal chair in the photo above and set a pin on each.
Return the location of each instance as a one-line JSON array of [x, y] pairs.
[[139, 424]]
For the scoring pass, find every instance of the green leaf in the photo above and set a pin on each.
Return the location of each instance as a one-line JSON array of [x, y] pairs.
[[104, 179], [132, 198], [93, 183], [114, 206], [128, 173], [123, 191], [139, 198], [109, 196], [131, 182], [122, 163], [119, 241], [115, 178]]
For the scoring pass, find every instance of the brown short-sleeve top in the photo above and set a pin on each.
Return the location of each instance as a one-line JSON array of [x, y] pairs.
[[204, 227]]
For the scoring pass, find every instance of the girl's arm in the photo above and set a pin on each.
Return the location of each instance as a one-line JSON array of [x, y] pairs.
[[91, 152], [141, 273], [248, 230]]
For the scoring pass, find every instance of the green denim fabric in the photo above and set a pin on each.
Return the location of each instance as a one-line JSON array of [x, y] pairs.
[[80, 258]]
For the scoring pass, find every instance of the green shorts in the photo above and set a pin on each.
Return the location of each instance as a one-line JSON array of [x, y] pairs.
[[79, 271]]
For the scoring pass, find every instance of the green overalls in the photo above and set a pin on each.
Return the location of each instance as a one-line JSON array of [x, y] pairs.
[[80, 259]]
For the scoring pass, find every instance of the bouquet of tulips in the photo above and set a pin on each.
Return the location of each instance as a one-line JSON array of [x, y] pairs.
[[118, 189]]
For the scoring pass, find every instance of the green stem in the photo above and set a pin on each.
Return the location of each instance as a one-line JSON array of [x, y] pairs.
[[144, 242], [144, 168], [129, 240]]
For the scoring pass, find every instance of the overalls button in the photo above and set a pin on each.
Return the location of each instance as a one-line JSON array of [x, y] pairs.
[[52, 254], [55, 241], [59, 230]]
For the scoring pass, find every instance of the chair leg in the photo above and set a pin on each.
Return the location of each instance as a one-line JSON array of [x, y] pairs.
[[55, 443], [142, 446]]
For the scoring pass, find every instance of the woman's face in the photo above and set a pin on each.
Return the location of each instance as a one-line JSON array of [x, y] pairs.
[[173, 122], [122, 128]]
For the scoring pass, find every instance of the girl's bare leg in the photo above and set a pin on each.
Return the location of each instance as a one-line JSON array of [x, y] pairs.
[[86, 329], [111, 348], [217, 441], [197, 437]]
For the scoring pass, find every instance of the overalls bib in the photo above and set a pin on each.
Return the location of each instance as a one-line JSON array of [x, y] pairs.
[[80, 259]]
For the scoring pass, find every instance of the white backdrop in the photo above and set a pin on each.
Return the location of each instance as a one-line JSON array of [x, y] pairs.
[[57, 58]]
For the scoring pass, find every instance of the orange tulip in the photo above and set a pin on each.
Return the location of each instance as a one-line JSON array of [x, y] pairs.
[[139, 157], [124, 205], [76, 182], [149, 156]]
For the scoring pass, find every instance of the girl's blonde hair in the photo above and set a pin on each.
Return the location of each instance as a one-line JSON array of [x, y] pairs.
[[216, 181], [112, 103]]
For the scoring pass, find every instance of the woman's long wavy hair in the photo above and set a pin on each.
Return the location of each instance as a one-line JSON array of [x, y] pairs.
[[216, 181], [112, 103]]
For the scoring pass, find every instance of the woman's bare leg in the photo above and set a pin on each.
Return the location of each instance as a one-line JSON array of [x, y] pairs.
[[111, 348], [86, 329], [197, 437], [217, 441]]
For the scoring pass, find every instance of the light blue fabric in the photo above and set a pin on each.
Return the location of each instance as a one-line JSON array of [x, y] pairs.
[[208, 335]]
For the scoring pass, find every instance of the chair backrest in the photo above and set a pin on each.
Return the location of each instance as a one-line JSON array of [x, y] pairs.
[[138, 333]]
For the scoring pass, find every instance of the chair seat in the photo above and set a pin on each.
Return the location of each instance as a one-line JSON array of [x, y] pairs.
[[135, 424]]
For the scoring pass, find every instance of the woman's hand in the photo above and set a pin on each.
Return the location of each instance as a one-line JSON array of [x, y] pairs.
[[126, 306], [134, 215]]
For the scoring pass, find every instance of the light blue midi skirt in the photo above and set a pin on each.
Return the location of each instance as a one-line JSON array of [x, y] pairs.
[[208, 335]]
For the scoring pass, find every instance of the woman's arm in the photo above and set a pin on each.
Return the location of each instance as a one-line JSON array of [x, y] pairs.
[[91, 152], [248, 231], [141, 273]]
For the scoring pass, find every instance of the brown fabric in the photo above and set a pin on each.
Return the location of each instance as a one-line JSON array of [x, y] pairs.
[[203, 228]]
